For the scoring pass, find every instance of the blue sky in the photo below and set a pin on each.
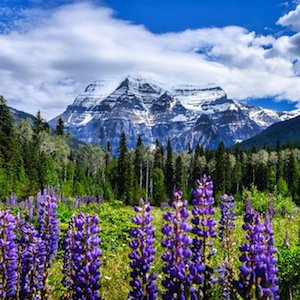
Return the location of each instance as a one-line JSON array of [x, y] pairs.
[[52, 49], [178, 15]]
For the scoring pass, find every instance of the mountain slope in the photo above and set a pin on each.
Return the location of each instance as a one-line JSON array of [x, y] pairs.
[[185, 114], [286, 132], [18, 115]]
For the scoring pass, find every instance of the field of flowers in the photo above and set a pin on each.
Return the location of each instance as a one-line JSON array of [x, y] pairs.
[[87, 248]]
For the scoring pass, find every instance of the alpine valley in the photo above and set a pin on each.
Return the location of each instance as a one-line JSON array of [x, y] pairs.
[[185, 114]]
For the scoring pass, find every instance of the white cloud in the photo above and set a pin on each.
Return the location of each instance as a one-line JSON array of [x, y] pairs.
[[55, 55], [291, 19]]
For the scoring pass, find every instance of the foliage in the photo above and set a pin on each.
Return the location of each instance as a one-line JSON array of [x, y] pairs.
[[289, 275], [283, 205]]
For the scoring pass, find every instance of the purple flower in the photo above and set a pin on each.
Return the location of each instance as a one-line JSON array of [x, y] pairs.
[[48, 229], [32, 259], [82, 258], [226, 229], [178, 267], [30, 208], [204, 230], [258, 273], [9, 256], [143, 282], [271, 269]]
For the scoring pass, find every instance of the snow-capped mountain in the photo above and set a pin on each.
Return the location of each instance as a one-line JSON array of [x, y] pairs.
[[185, 114]]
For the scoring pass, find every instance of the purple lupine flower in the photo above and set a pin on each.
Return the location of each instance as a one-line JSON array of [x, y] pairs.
[[82, 258], [48, 229], [252, 278], [164, 205], [8, 255], [271, 261], [178, 266], [258, 273], [204, 230], [30, 208], [68, 266], [248, 205], [226, 229], [226, 273], [32, 259], [13, 200], [143, 281], [227, 219]]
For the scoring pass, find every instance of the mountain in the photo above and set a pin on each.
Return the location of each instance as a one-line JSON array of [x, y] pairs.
[[185, 114], [286, 132], [18, 115]]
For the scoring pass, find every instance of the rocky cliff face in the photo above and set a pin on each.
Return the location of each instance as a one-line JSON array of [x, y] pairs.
[[186, 114]]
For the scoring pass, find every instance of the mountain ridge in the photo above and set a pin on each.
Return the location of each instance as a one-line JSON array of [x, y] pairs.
[[139, 106], [285, 132]]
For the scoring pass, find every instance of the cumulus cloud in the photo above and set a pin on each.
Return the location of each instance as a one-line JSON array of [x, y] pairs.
[[48, 57], [291, 19]]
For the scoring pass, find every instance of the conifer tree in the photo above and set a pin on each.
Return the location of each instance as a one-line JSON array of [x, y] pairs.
[[122, 167], [38, 124], [169, 171], [60, 127], [138, 162], [178, 180], [10, 156], [221, 168], [293, 177], [158, 155], [159, 193]]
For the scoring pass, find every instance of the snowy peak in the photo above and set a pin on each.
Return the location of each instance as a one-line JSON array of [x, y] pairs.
[[185, 114], [96, 92], [147, 91], [194, 97]]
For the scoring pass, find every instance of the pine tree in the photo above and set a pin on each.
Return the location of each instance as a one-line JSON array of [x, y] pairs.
[[237, 174], [122, 168], [228, 173], [169, 171], [293, 177], [138, 162], [159, 193], [38, 124], [178, 180], [158, 155], [221, 168], [129, 182], [10, 156], [60, 127]]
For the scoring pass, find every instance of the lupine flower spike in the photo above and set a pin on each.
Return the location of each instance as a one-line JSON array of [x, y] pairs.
[[143, 280], [82, 258], [258, 279], [226, 230], [205, 233], [177, 257], [8, 256], [48, 231]]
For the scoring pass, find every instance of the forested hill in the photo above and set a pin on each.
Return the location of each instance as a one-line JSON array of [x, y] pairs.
[[286, 132]]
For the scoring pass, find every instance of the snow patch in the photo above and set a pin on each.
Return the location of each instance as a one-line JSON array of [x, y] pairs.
[[87, 119], [179, 118]]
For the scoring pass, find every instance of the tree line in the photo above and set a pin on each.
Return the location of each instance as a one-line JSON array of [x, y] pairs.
[[34, 156]]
